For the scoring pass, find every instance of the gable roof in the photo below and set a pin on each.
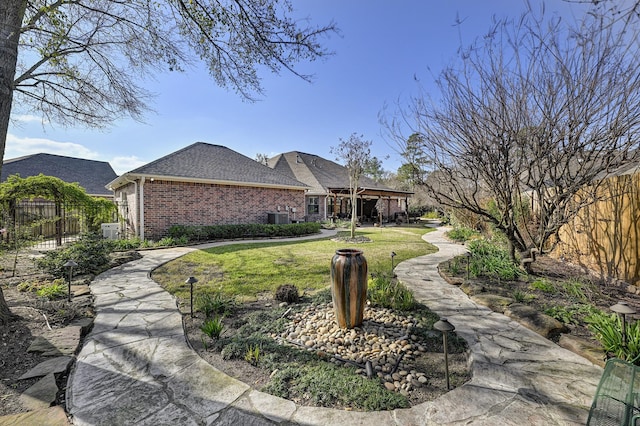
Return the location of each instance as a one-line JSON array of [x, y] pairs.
[[321, 174], [204, 162], [90, 174]]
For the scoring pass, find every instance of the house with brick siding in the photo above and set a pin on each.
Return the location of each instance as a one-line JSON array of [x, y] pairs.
[[328, 194], [203, 184]]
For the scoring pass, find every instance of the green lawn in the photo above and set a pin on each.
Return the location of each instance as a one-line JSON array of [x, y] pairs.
[[247, 270]]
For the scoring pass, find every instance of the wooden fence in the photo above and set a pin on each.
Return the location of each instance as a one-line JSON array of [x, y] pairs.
[[605, 237]]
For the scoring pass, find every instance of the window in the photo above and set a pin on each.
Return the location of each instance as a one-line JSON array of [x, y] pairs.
[[312, 205]]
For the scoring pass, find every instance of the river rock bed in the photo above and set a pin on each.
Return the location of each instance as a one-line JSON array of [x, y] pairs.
[[388, 345]]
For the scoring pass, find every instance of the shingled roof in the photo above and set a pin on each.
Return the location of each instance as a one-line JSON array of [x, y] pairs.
[[203, 162], [320, 174], [90, 174]]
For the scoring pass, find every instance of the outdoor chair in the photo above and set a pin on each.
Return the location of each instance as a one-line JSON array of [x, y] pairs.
[[617, 399]]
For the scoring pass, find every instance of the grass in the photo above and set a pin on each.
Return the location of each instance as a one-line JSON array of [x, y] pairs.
[[246, 270]]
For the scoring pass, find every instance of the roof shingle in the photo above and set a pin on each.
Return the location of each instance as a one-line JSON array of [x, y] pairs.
[[217, 163], [90, 174]]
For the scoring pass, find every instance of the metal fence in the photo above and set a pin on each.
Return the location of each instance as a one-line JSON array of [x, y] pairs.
[[44, 224]]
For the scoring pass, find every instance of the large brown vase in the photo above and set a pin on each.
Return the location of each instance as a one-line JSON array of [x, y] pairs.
[[349, 286]]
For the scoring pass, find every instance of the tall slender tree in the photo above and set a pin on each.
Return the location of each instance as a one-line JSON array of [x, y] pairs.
[[355, 154]]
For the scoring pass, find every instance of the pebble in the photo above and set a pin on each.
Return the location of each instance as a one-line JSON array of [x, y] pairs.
[[384, 338]]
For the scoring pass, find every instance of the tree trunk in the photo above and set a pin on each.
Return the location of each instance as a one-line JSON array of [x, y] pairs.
[[354, 214], [5, 313], [11, 15]]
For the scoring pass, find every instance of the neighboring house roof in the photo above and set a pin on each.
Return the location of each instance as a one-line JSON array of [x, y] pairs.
[[203, 162], [321, 174], [89, 174]]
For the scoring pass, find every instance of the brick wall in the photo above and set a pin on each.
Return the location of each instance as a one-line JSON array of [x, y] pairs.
[[181, 203], [125, 198]]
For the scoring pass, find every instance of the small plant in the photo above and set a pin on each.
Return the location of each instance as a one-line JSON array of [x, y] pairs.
[[213, 327], [56, 290], [456, 266], [462, 234], [575, 288], [252, 355], [544, 286], [490, 258], [287, 293], [387, 293], [522, 296], [608, 330], [214, 304], [321, 296]]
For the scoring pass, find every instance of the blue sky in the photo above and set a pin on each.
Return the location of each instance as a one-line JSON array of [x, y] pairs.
[[383, 46]]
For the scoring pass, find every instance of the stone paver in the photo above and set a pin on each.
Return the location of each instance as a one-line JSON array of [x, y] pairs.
[[52, 365], [137, 368], [41, 395], [53, 416], [56, 342]]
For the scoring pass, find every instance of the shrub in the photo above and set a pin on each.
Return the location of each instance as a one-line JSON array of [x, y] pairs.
[[488, 258], [608, 330], [329, 386], [56, 290], [387, 293], [544, 286], [462, 234], [287, 293], [251, 230], [90, 252], [322, 296], [574, 314], [214, 304]]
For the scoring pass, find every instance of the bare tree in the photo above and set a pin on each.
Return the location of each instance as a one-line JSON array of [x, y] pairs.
[[529, 121], [355, 154], [80, 61], [262, 158]]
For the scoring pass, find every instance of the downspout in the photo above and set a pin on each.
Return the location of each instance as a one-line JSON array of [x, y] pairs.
[[142, 208], [138, 208]]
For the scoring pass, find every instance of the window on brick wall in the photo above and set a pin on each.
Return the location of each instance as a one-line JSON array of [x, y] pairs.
[[313, 206]]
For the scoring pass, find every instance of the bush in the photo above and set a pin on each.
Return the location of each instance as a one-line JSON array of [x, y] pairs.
[[56, 290], [544, 286], [287, 293], [251, 230], [214, 304], [90, 252], [387, 293], [608, 330], [462, 234], [488, 258]]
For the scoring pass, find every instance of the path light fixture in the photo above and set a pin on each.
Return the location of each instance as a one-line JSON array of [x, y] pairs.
[[468, 256], [191, 281], [70, 264], [393, 254], [445, 327], [622, 308]]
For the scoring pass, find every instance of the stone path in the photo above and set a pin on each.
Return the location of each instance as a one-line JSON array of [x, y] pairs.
[[136, 367]]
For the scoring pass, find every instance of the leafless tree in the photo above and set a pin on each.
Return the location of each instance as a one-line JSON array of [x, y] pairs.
[[83, 61], [355, 154], [529, 121]]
